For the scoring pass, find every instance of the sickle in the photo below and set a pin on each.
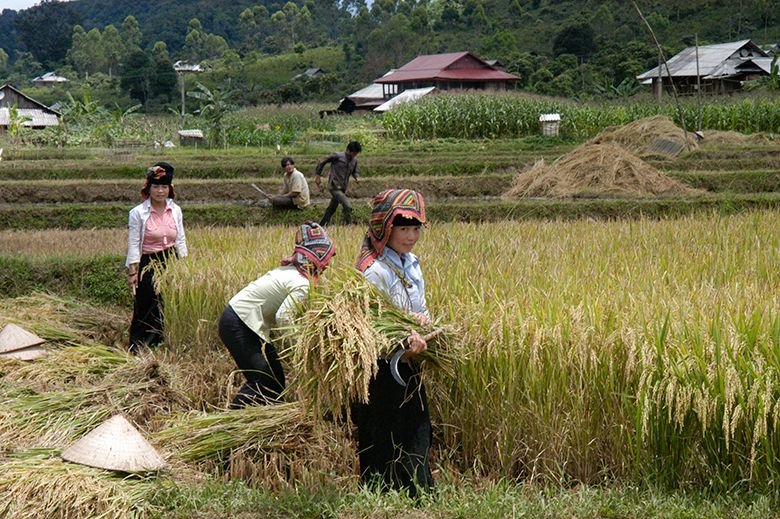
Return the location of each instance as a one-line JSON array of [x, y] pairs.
[[398, 354]]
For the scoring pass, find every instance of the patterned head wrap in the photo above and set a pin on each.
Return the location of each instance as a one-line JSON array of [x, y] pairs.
[[386, 206], [159, 174], [312, 247]]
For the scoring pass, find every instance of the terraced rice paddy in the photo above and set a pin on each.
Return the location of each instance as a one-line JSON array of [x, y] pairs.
[[638, 347]]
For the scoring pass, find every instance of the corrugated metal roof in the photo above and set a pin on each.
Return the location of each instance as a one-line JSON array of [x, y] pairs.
[[37, 117], [50, 77], [198, 134], [764, 64], [436, 66], [407, 96], [372, 91], [710, 57]]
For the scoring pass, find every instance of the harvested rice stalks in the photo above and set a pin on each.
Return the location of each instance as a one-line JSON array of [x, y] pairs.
[[333, 346], [57, 418], [33, 485], [640, 136], [597, 170], [72, 365], [197, 437], [64, 321]]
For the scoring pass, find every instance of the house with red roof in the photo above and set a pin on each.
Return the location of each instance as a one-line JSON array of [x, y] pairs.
[[451, 71]]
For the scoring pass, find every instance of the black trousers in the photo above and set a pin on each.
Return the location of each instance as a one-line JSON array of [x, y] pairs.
[[146, 328], [337, 197], [283, 202], [256, 358], [394, 431]]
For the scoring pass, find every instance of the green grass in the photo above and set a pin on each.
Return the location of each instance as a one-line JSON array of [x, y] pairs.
[[456, 498], [83, 216], [99, 280]]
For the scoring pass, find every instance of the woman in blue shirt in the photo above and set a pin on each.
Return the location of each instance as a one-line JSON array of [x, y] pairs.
[[394, 427]]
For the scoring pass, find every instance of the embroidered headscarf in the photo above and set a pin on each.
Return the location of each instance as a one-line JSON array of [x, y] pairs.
[[160, 174], [312, 247], [386, 206]]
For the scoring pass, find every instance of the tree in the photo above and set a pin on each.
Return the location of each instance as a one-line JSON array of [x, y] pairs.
[[576, 38], [253, 26], [3, 61], [162, 82], [46, 30], [136, 73], [114, 48], [131, 35]]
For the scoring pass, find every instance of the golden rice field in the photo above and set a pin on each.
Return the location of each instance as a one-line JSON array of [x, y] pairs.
[[610, 351]]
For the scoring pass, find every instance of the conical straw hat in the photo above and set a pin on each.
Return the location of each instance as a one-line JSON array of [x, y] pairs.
[[15, 337], [31, 353], [115, 445]]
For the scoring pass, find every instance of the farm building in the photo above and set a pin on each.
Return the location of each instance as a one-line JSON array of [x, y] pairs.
[[48, 79], [367, 98], [722, 68], [455, 70], [37, 114], [311, 73]]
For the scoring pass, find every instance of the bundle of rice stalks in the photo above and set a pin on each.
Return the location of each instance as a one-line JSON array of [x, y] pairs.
[[597, 170], [64, 321], [72, 365], [34, 486], [272, 445], [649, 136], [333, 346], [57, 418], [198, 437]]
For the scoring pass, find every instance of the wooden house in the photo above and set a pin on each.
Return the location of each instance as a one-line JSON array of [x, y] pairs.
[[719, 69], [451, 71], [38, 115]]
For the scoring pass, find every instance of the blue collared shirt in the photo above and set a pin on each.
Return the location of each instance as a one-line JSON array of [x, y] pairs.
[[409, 296]]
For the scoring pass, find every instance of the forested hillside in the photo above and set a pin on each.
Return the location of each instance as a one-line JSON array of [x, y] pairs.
[[562, 47]]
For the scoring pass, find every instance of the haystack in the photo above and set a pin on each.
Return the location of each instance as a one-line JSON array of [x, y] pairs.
[[657, 135], [597, 170], [721, 138]]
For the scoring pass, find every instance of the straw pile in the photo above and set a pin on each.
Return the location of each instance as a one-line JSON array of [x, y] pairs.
[[640, 136], [140, 389], [34, 485], [597, 170], [721, 138], [334, 345]]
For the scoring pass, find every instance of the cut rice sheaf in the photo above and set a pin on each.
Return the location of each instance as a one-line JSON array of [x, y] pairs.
[[597, 170]]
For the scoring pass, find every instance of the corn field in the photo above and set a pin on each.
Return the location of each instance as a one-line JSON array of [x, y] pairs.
[[625, 350], [484, 116]]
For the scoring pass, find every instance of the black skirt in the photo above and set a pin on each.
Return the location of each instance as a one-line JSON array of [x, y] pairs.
[[146, 328], [394, 431]]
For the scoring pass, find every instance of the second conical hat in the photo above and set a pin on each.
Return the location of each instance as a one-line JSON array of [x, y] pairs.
[[115, 445], [14, 337], [31, 353]]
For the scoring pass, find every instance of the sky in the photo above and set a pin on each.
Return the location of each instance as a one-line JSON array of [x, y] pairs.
[[17, 4]]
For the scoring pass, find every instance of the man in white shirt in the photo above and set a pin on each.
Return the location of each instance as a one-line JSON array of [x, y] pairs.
[[295, 189]]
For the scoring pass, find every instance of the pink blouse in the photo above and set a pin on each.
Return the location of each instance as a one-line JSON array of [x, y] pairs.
[[160, 232]]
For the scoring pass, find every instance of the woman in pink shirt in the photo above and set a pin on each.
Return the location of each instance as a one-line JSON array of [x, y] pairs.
[[155, 231]]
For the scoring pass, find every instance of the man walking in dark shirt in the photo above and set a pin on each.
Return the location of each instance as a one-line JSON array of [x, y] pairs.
[[342, 166]]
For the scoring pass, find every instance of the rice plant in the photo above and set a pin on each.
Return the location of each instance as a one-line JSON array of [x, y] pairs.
[[594, 350]]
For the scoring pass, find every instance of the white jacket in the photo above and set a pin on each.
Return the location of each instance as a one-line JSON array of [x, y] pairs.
[[136, 225]]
